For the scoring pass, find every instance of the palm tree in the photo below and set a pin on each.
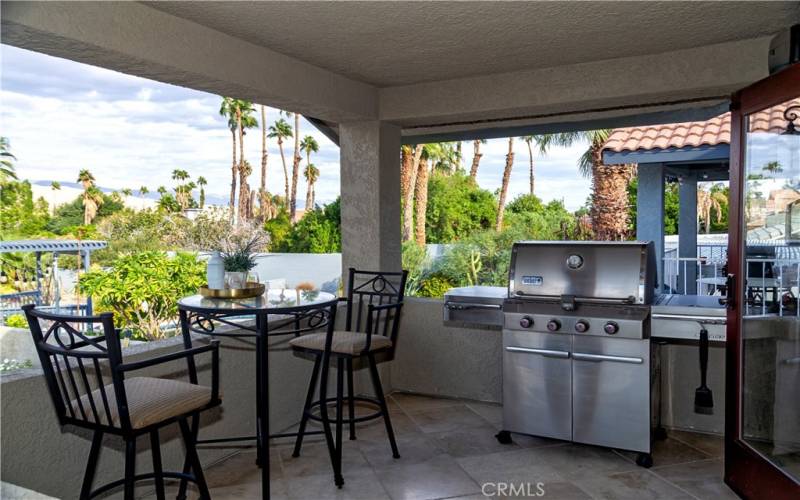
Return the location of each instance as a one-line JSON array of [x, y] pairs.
[[476, 156], [543, 142], [245, 119], [772, 167], [311, 174], [182, 191], [86, 179], [262, 192], [7, 170], [295, 165], [609, 207], [501, 203], [281, 130], [421, 198], [240, 117], [201, 181], [440, 156], [92, 200], [162, 191], [245, 169], [309, 145], [708, 201], [411, 158], [126, 191], [227, 109], [143, 190], [55, 186]]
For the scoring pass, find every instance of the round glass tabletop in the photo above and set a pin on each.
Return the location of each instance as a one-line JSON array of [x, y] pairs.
[[275, 301]]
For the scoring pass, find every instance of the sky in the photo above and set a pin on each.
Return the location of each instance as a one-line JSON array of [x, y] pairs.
[[62, 116]]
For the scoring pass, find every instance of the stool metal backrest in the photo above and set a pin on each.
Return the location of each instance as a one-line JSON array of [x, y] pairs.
[[367, 294], [72, 364]]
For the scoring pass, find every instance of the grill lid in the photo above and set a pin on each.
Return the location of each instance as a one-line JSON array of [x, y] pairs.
[[584, 270]]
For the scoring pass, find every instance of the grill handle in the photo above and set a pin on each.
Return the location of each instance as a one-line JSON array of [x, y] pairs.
[[543, 352], [703, 320], [604, 357], [462, 306]]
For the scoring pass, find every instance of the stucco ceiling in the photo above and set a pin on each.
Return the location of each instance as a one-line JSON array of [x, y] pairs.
[[398, 43]]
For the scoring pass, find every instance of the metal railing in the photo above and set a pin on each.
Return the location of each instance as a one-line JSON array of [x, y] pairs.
[[773, 283]]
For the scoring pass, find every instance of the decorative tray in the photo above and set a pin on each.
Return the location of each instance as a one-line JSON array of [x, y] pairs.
[[253, 289]]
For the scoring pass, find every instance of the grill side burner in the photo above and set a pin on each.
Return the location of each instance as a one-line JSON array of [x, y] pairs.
[[576, 348]]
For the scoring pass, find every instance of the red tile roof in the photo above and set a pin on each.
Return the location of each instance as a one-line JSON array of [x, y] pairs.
[[717, 130]]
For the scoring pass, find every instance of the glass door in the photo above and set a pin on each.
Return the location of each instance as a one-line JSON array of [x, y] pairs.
[[763, 421]]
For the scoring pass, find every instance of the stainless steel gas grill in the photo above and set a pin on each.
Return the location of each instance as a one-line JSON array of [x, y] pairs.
[[576, 343]]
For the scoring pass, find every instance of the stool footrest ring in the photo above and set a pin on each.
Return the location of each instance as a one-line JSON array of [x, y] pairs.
[[140, 477], [363, 418]]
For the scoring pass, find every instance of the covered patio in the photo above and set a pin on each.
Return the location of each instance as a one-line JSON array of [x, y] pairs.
[[374, 76]]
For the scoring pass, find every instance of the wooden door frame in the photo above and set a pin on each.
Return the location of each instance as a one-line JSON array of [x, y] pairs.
[[748, 473]]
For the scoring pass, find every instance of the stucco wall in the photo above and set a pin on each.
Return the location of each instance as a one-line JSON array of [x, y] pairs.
[[463, 362], [451, 361]]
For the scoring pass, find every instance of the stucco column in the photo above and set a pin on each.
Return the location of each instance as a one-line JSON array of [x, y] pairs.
[[687, 234], [370, 177], [650, 211]]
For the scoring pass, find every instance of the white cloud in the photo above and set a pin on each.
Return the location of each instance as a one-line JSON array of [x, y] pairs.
[[62, 116]]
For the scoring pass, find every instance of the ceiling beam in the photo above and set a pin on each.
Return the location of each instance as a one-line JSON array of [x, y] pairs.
[[598, 88]]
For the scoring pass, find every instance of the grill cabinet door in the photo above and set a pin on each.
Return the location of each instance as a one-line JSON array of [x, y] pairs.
[[611, 392], [537, 384]]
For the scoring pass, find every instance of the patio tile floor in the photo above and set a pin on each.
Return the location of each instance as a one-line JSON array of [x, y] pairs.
[[448, 451]]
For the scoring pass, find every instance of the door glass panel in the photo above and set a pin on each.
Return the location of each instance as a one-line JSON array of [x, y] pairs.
[[771, 266]]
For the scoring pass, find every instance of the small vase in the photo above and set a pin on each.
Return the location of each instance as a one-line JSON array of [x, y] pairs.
[[235, 279], [215, 272]]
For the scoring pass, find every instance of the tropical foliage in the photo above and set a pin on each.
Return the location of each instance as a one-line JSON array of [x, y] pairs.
[[142, 290]]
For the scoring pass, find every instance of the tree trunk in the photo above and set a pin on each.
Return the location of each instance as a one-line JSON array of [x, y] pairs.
[[476, 158], [263, 188], [295, 166], [408, 200], [460, 155], [310, 196], [406, 161], [421, 195], [501, 204], [243, 195], [609, 197], [285, 172], [530, 155], [233, 175], [251, 205]]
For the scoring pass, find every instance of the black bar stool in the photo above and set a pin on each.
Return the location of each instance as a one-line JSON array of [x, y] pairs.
[[73, 364], [374, 302]]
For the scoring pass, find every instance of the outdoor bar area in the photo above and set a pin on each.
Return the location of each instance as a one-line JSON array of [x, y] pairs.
[[666, 366]]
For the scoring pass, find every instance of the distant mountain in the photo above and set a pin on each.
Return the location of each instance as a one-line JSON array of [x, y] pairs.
[[152, 195]]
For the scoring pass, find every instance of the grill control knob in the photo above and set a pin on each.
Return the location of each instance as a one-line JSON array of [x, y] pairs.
[[581, 326], [526, 322], [611, 328], [554, 325]]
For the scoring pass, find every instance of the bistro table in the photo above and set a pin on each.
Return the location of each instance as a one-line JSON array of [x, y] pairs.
[[277, 312]]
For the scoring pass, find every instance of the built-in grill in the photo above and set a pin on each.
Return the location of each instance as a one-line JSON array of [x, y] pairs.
[[576, 343]]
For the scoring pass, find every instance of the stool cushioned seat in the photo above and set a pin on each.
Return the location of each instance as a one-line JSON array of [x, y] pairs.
[[150, 400], [343, 342]]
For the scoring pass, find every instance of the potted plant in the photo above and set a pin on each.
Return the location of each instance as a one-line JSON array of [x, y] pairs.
[[238, 251]]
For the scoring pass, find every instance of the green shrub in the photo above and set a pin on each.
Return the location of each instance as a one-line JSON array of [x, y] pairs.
[[16, 321], [142, 290], [434, 285]]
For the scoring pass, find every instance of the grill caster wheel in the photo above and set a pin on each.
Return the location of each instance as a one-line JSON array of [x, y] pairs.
[[660, 434], [644, 460], [503, 437]]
